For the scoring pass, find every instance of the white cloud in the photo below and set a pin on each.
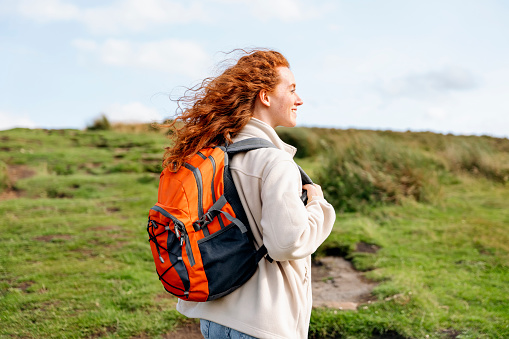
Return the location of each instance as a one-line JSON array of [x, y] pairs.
[[287, 10], [132, 112], [139, 15], [437, 113], [171, 55], [85, 45], [10, 120], [119, 16], [430, 84], [48, 10]]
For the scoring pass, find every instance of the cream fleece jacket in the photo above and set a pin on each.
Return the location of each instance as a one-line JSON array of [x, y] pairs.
[[276, 302]]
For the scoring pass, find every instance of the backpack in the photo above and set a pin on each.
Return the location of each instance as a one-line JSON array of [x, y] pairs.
[[198, 231]]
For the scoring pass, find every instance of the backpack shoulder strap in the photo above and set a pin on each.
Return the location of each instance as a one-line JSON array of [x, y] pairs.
[[248, 145], [256, 143]]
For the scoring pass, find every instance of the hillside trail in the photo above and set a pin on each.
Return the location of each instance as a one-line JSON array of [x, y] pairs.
[[336, 284]]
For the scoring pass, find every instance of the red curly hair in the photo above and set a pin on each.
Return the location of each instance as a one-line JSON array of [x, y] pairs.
[[218, 108]]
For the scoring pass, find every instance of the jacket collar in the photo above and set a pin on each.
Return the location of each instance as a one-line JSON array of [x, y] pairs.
[[256, 128]]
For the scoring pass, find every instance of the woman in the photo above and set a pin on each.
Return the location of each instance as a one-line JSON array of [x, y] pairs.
[[250, 99]]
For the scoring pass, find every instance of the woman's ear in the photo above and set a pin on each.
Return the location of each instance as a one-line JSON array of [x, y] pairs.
[[263, 95]]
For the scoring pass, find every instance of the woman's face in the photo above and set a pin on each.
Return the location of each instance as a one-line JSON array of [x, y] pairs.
[[284, 100]]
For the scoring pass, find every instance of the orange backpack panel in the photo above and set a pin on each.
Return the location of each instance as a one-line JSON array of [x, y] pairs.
[[201, 244]]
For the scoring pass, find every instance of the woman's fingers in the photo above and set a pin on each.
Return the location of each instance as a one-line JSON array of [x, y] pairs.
[[314, 190]]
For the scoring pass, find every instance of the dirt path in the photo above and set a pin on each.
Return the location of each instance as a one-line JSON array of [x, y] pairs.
[[336, 284], [188, 331]]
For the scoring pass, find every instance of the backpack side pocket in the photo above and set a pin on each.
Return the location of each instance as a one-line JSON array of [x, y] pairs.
[[229, 260], [167, 252]]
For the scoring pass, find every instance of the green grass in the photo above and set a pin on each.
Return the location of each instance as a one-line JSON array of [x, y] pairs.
[[80, 266], [75, 260], [443, 268]]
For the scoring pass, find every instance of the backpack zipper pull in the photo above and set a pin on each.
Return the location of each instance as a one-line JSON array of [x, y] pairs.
[[159, 252], [177, 233]]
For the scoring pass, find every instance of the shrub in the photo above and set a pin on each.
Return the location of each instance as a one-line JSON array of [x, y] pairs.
[[301, 138], [100, 124], [373, 170], [477, 158]]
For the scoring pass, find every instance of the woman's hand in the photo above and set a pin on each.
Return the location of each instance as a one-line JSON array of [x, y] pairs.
[[313, 190]]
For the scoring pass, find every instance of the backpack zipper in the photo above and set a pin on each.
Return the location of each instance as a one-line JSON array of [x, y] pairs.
[[184, 238], [180, 232]]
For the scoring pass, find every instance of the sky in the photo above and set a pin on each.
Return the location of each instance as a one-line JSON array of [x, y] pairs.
[[440, 66]]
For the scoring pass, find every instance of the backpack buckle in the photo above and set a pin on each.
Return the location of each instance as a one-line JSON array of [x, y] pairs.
[[208, 217], [203, 222]]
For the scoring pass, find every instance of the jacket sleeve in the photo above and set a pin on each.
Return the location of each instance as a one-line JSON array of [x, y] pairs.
[[290, 229]]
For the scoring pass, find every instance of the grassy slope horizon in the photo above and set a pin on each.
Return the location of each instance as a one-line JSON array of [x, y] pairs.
[[76, 263]]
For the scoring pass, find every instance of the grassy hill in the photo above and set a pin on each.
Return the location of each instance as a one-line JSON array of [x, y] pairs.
[[75, 260]]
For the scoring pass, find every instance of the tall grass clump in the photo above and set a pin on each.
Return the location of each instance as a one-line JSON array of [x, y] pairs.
[[137, 128], [372, 170], [100, 123], [478, 158]]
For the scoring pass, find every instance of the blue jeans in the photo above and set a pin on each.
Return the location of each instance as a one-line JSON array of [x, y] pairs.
[[212, 330]]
